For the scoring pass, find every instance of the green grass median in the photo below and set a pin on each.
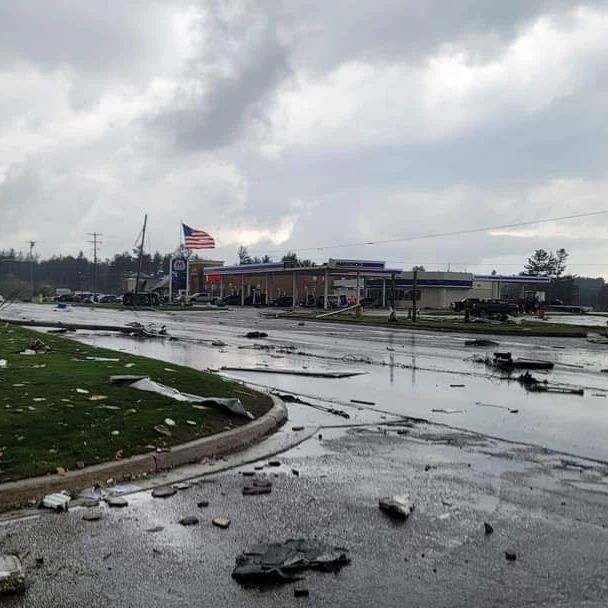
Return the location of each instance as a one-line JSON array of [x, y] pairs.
[[523, 328], [58, 409]]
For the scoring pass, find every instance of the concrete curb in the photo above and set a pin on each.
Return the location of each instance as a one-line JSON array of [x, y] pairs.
[[17, 493]]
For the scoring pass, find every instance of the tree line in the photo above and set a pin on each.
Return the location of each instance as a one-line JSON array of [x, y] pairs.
[[77, 273]]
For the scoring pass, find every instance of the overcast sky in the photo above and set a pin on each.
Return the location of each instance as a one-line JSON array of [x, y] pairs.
[[293, 124]]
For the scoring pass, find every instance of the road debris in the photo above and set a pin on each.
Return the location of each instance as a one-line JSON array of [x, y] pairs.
[[221, 522], [258, 487], [457, 385], [360, 401], [12, 574], [562, 390], [116, 501], [265, 564], [170, 422], [202, 504], [441, 410], [400, 506], [488, 529], [182, 485], [300, 592], [500, 407], [297, 428], [189, 520], [164, 492], [294, 372], [92, 515], [3, 363], [510, 556], [254, 335], [274, 463], [58, 501], [480, 342], [155, 529]]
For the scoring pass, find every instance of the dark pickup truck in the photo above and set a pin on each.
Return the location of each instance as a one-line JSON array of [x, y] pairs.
[[485, 307]]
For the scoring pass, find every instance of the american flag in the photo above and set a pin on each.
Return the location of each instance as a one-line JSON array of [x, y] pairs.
[[197, 239]]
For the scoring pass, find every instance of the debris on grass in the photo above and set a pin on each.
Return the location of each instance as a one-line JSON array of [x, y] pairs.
[[189, 520], [162, 430], [234, 406]]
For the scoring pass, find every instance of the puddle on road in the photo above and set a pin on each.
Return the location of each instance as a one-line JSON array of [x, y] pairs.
[[562, 422]]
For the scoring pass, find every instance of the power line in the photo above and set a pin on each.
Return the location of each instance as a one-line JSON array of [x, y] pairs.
[[435, 235]]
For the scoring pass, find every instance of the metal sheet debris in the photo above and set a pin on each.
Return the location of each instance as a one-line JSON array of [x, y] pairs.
[[234, 406], [272, 563]]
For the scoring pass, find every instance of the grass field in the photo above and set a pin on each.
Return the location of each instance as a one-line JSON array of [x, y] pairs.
[[48, 421]]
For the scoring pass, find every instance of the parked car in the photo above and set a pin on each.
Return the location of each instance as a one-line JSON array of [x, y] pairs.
[[109, 299], [203, 298], [232, 300], [66, 297], [284, 302]]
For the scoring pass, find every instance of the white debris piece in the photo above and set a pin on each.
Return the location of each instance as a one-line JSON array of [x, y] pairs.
[[398, 506], [12, 575], [146, 384], [82, 391], [169, 422], [3, 362], [57, 502], [102, 359]]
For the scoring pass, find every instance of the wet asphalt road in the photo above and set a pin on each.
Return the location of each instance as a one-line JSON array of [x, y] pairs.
[[439, 557], [547, 507]]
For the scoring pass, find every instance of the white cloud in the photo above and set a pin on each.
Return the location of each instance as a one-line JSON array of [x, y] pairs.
[[372, 104]]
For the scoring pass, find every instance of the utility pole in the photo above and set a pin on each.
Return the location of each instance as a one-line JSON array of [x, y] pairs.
[[96, 243], [141, 256], [414, 296], [32, 244]]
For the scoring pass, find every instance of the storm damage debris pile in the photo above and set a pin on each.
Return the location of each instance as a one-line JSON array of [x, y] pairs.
[[267, 564], [144, 383], [12, 575]]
